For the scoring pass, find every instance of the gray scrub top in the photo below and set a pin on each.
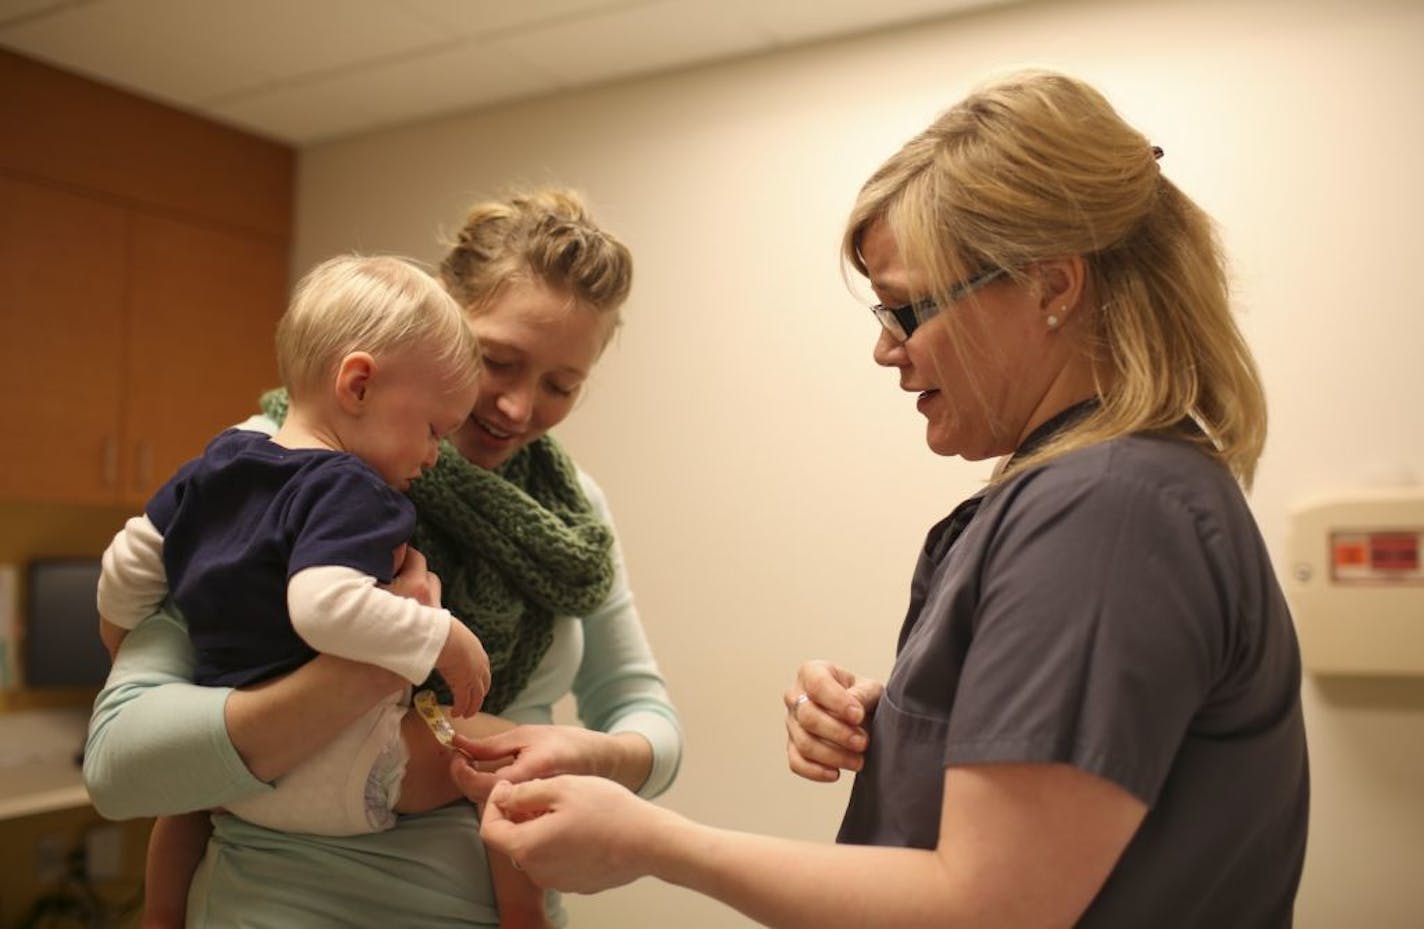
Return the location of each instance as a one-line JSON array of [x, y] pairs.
[[1114, 609]]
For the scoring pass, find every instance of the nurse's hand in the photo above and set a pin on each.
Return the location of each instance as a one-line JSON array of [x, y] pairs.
[[827, 711], [576, 834]]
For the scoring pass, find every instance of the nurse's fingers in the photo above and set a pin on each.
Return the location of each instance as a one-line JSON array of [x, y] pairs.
[[830, 687], [807, 719]]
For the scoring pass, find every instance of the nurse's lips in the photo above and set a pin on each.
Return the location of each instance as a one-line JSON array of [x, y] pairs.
[[924, 399]]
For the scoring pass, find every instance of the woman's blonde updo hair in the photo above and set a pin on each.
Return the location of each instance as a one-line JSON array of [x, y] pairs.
[[546, 236], [379, 304], [1039, 166]]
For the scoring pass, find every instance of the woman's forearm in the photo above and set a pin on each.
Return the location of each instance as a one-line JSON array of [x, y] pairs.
[[650, 743], [585, 835], [632, 760], [1019, 845], [280, 723], [785, 883], [157, 743]]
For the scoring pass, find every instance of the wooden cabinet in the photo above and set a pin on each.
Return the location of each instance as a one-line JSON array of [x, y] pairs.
[[129, 340], [140, 285], [203, 309], [62, 271]]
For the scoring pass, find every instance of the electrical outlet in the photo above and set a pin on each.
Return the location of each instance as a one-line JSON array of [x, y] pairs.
[[104, 852]]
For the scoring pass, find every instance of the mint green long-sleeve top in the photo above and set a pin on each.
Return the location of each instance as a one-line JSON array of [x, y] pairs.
[[158, 745]]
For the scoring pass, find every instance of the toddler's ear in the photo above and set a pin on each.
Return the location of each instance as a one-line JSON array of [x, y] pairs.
[[353, 380]]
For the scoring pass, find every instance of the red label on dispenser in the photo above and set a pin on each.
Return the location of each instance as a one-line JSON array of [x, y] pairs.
[[1381, 557], [1392, 552]]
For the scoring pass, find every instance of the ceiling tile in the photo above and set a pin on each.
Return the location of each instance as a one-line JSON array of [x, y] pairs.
[[106, 42], [490, 17], [792, 21], [637, 39], [185, 51], [303, 70], [422, 86], [282, 39]]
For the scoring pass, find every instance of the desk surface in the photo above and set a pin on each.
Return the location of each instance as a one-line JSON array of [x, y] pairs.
[[38, 769]]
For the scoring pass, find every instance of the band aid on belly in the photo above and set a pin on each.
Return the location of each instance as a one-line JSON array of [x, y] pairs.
[[428, 706]]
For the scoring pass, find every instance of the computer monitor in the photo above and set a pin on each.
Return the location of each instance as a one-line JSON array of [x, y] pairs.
[[61, 644]]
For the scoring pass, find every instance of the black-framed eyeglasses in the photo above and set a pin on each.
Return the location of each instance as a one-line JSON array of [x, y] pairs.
[[902, 321]]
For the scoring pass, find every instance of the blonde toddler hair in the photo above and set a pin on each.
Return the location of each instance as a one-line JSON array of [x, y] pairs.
[[378, 304]]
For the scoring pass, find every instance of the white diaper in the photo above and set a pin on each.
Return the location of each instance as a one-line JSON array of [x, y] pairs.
[[350, 787]]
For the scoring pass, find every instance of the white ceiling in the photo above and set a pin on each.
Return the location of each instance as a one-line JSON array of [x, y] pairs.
[[303, 71]]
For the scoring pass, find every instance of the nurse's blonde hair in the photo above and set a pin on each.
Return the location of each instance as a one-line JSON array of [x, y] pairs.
[[1039, 166]]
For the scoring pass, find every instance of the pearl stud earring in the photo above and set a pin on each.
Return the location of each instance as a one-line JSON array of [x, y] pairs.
[[1053, 321]]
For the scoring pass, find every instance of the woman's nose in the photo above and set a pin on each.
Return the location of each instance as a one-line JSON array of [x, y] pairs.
[[516, 404], [889, 351]]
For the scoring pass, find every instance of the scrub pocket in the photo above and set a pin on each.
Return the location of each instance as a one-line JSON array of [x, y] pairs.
[[899, 793]]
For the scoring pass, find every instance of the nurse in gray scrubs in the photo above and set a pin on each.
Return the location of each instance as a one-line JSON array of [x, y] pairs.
[[1094, 714]]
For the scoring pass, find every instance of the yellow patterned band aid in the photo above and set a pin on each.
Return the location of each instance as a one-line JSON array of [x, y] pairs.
[[428, 706]]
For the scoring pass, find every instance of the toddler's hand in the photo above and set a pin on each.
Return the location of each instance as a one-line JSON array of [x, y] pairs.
[[414, 579], [466, 668]]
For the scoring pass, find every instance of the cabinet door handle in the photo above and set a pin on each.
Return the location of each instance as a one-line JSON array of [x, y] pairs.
[[143, 465], [109, 462]]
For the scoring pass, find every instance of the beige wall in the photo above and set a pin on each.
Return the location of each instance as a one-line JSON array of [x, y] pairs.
[[771, 484]]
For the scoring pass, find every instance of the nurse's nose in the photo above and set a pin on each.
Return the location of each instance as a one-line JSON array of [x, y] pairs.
[[889, 351]]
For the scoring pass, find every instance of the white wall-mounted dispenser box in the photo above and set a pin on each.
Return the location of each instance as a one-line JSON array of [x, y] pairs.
[[1356, 583]]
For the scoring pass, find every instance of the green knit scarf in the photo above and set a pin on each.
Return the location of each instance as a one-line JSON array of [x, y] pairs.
[[513, 548]]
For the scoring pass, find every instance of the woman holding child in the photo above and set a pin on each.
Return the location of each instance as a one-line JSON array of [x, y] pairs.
[[520, 547]]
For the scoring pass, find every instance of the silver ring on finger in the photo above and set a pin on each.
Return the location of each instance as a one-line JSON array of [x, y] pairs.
[[801, 698]]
